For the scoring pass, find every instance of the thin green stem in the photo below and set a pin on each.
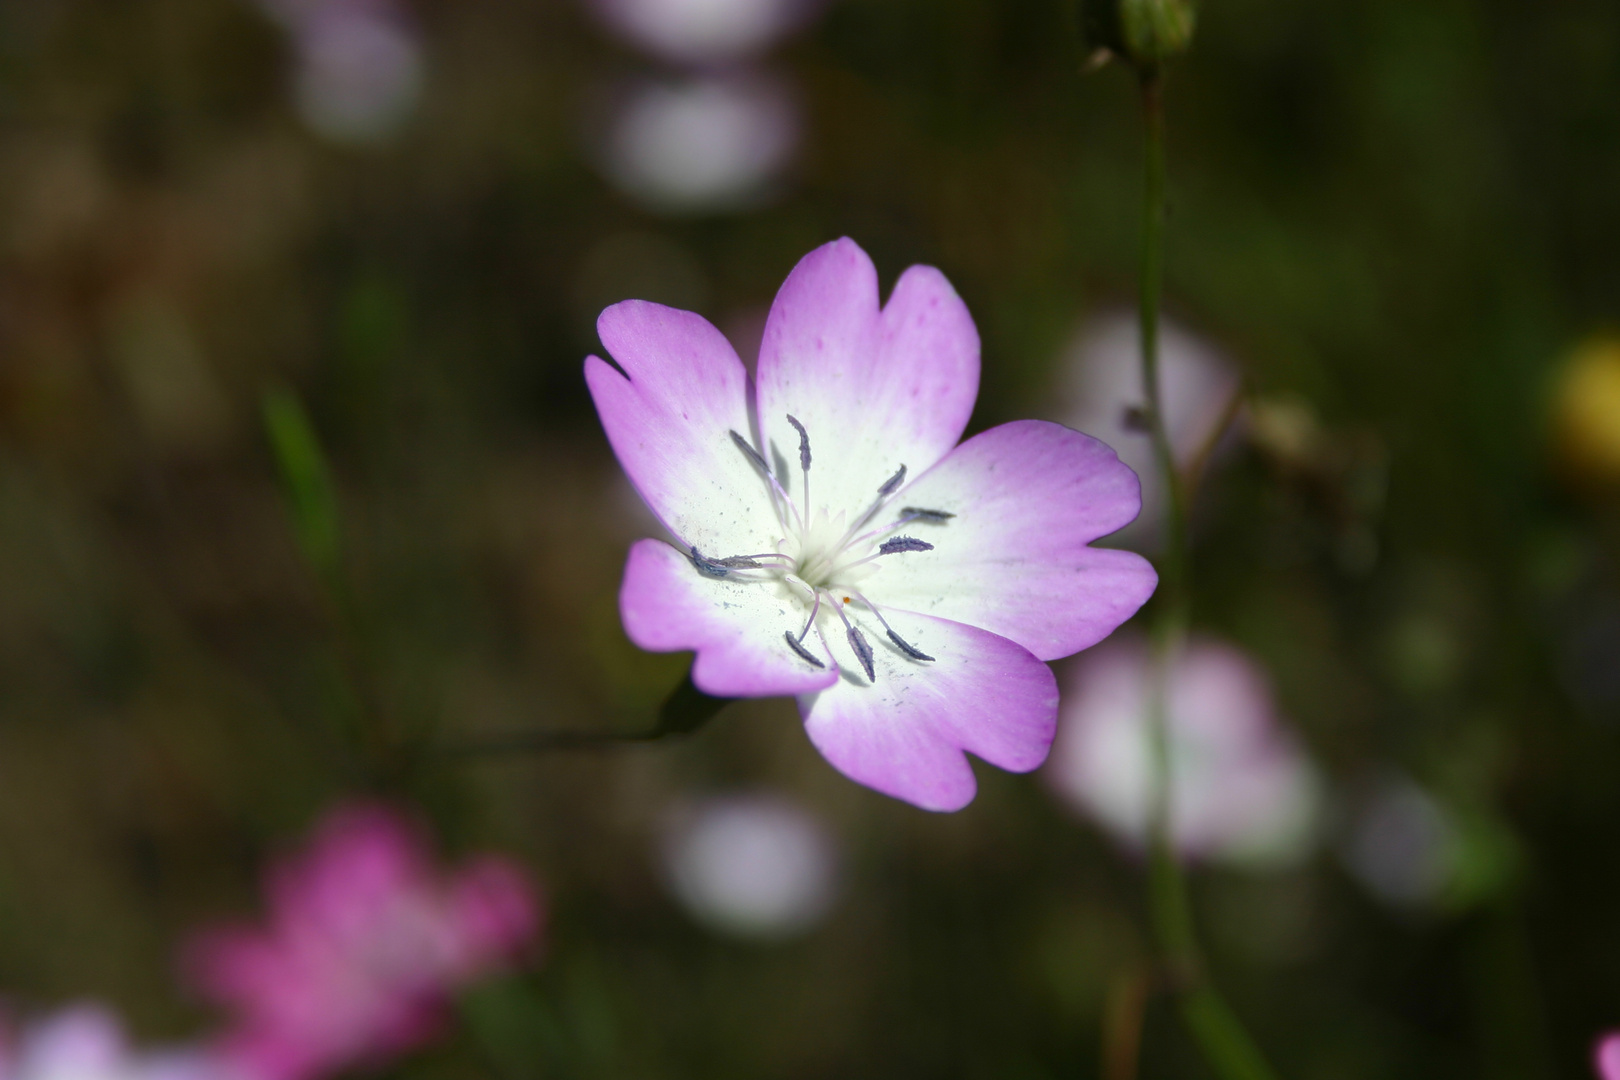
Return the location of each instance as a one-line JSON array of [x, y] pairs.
[[1173, 565], [1221, 1037]]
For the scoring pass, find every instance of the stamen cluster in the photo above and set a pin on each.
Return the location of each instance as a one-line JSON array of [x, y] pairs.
[[819, 570]]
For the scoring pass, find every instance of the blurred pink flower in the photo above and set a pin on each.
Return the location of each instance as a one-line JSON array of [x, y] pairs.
[[754, 865], [1606, 1055], [1401, 843], [703, 144], [86, 1042], [359, 66], [365, 942], [1103, 368], [704, 31], [359, 75], [1242, 789]]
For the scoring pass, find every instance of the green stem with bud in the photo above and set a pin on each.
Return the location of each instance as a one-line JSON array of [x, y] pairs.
[[1225, 1044]]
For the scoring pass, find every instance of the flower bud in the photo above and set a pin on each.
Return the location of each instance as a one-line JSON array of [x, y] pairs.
[[1155, 30], [1145, 32]]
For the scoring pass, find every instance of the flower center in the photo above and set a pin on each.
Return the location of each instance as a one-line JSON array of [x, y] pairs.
[[822, 558]]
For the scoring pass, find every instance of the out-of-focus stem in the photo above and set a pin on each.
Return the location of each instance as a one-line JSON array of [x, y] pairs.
[[1226, 1046]]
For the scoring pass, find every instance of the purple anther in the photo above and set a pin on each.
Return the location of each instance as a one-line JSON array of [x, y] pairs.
[[909, 649], [892, 484], [896, 544], [708, 566], [753, 455], [804, 443], [918, 513], [804, 653], [863, 652], [739, 562]]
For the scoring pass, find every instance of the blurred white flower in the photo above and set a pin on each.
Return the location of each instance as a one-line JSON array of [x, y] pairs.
[[704, 31], [1242, 790], [753, 866], [1401, 844], [359, 74], [1103, 366], [86, 1042], [708, 143]]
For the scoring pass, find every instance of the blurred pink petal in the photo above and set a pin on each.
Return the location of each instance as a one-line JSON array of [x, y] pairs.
[[1606, 1056], [365, 941]]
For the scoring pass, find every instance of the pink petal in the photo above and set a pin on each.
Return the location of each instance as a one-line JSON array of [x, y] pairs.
[[1606, 1056], [1028, 498], [875, 390], [736, 627], [494, 912], [670, 425], [905, 733], [360, 858]]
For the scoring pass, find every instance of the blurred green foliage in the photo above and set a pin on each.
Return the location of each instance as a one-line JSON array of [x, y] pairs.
[[1398, 218]]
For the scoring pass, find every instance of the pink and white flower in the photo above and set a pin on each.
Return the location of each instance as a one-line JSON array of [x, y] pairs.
[[365, 942], [1241, 789], [833, 541]]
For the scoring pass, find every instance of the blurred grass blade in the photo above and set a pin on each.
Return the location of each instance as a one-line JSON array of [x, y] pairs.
[[686, 709], [304, 474], [1225, 1043]]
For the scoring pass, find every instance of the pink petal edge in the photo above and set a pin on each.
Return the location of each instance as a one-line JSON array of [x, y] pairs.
[[1029, 497], [905, 735]]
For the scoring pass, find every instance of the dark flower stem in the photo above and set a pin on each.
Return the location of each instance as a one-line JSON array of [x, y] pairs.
[[1225, 1044]]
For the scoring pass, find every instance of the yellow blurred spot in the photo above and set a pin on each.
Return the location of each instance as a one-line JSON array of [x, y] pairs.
[[1586, 409]]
